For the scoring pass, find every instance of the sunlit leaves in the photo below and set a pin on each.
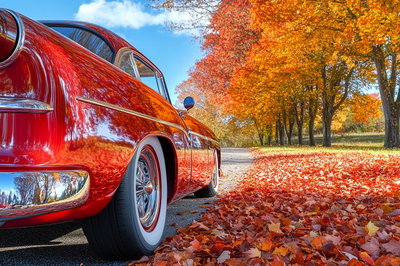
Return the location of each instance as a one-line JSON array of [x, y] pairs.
[[307, 208]]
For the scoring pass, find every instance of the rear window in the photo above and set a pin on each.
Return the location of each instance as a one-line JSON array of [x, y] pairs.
[[87, 39]]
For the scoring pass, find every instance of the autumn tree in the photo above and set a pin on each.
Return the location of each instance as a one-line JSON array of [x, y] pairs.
[[356, 30], [374, 28], [231, 129], [365, 107]]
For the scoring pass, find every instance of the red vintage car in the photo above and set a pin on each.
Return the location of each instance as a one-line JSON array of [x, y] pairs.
[[87, 131]]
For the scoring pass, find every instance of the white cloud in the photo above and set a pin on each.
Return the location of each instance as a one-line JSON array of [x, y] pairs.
[[126, 14]]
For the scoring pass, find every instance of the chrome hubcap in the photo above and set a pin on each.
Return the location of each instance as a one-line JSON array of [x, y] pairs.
[[148, 193], [148, 188]]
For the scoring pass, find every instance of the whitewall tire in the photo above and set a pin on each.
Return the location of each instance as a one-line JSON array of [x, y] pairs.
[[132, 224]]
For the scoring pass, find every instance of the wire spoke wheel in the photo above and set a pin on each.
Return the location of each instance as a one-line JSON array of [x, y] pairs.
[[148, 194]]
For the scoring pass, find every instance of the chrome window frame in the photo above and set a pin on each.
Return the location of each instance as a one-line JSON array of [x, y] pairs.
[[19, 44], [121, 53], [161, 87]]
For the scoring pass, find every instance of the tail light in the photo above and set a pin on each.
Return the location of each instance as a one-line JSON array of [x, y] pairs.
[[11, 37]]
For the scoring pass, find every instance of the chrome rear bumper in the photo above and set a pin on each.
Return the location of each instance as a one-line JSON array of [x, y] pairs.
[[25, 194]]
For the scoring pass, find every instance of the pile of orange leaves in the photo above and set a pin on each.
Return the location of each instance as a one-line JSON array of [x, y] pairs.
[[315, 208]]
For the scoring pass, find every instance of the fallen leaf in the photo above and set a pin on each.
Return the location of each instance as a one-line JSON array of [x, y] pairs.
[[253, 253], [316, 242], [372, 248], [371, 228], [224, 256], [280, 251], [393, 247], [276, 228], [367, 258], [195, 245]]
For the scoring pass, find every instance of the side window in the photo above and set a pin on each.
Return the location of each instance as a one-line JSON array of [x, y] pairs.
[[87, 39], [135, 67], [161, 85], [147, 75], [126, 64]]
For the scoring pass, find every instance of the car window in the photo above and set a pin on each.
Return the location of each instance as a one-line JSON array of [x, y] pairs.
[[147, 75], [135, 67], [127, 65], [87, 39], [161, 85]]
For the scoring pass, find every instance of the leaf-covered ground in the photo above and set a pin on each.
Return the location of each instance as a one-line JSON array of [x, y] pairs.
[[308, 208]]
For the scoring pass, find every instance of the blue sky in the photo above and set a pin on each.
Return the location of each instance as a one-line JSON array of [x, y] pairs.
[[143, 27]]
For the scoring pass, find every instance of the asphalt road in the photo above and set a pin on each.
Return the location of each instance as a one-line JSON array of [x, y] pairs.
[[65, 244]]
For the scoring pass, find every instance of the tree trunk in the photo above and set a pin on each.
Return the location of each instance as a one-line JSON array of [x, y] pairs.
[[326, 128], [329, 108], [282, 136], [260, 133], [288, 133], [312, 111], [281, 132], [299, 121], [276, 131], [261, 136], [269, 140], [387, 91]]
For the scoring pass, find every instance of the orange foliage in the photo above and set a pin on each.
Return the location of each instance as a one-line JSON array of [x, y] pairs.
[[365, 107], [225, 47], [309, 208]]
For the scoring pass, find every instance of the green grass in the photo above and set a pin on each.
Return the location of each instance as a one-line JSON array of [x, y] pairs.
[[371, 142]]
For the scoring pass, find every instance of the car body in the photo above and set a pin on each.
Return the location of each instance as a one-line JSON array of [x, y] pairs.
[[75, 112]]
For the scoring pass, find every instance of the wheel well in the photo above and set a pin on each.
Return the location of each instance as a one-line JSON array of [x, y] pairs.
[[169, 157]]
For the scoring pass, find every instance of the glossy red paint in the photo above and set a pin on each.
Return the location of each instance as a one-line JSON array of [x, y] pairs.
[[79, 135]]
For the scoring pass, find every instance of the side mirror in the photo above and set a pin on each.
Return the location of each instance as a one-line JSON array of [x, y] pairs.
[[188, 103]]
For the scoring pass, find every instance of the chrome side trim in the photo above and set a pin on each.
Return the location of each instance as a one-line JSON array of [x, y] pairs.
[[20, 42], [26, 194], [203, 137], [117, 108], [23, 105]]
